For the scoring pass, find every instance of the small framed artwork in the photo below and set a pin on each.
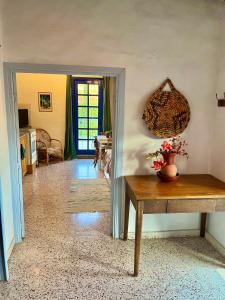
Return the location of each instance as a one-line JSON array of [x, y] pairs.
[[45, 102]]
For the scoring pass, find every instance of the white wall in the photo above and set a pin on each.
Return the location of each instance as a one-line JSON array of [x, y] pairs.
[[152, 40], [28, 86], [216, 223], [4, 163]]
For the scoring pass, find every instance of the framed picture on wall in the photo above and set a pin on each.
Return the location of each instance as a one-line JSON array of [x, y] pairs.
[[45, 102]]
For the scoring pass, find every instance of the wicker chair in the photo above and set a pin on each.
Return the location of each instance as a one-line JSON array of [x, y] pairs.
[[48, 148]]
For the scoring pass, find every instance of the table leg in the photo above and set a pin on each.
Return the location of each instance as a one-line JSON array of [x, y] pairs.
[[138, 228], [126, 217], [203, 224], [100, 158]]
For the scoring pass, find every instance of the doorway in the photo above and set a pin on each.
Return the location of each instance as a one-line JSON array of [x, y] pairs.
[[10, 69], [87, 113], [51, 130]]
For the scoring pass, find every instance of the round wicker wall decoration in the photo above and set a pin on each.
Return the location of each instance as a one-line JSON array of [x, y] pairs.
[[167, 113]]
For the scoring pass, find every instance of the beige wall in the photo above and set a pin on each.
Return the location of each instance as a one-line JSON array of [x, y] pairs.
[[28, 86], [151, 40]]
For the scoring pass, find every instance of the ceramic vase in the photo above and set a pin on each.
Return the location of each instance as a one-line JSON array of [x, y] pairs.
[[170, 169]]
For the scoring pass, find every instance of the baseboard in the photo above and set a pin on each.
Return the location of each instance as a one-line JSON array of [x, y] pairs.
[[165, 234], [220, 248], [11, 246], [85, 156]]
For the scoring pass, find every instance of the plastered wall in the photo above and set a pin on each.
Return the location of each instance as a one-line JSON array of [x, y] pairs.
[[216, 222], [152, 40]]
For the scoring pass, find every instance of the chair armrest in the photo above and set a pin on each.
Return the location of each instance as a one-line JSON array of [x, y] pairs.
[[57, 141], [41, 144]]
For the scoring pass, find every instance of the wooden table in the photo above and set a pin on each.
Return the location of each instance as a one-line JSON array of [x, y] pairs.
[[190, 194], [103, 142]]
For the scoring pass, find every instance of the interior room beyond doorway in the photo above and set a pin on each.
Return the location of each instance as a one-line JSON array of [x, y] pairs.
[[68, 117]]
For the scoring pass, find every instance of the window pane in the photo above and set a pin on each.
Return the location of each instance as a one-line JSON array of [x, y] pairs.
[[82, 134], [82, 123], [93, 123], [92, 134], [82, 112], [93, 112], [82, 88], [93, 100], [91, 145], [82, 145], [82, 100], [93, 89]]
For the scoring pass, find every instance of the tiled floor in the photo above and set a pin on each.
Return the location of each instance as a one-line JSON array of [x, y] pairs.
[[73, 256]]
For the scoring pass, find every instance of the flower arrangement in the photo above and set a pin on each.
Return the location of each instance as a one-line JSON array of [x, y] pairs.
[[174, 146]]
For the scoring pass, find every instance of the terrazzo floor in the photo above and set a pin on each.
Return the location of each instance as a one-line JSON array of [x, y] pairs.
[[72, 256]]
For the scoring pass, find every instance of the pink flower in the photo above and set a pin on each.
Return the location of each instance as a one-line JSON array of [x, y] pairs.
[[166, 146], [158, 164]]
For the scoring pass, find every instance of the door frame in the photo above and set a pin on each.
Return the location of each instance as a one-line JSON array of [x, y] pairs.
[[75, 110], [4, 275], [10, 70]]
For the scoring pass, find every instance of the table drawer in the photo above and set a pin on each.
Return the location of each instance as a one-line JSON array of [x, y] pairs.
[[155, 207], [220, 205], [189, 206]]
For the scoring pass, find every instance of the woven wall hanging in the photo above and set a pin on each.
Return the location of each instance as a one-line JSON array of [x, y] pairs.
[[167, 113]]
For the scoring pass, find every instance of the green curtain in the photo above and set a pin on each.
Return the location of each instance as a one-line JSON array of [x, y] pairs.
[[107, 125], [69, 151]]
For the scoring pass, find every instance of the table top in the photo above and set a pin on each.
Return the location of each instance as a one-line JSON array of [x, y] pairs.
[[201, 186], [104, 139]]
